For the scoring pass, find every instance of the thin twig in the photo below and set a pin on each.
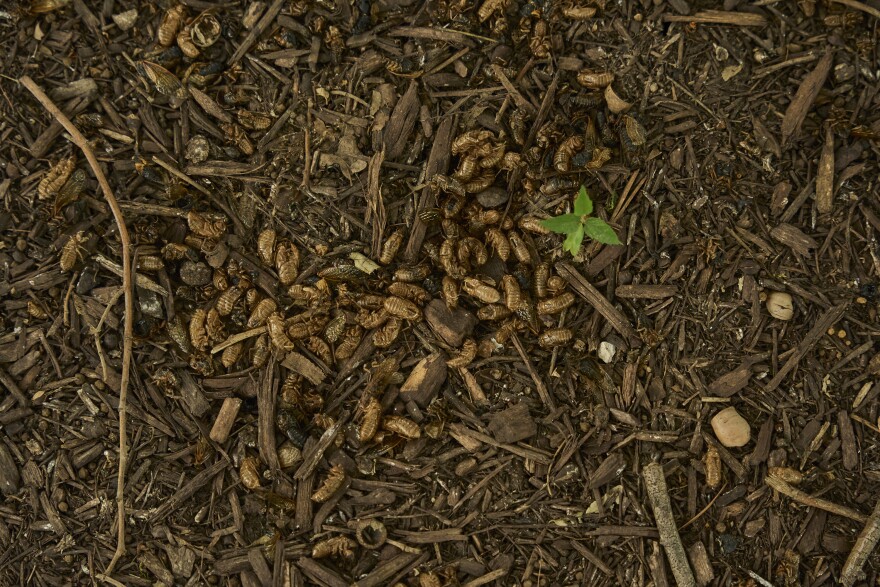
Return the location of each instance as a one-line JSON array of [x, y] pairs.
[[799, 496], [80, 141], [859, 6], [865, 544], [655, 483]]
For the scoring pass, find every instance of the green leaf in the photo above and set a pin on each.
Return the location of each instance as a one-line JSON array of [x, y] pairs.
[[564, 224], [598, 230], [583, 205], [574, 240]]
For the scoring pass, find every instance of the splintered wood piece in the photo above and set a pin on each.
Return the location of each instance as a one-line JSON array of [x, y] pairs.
[[732, 382], [655, 484], [595, 298], [453, 326], [825, 174], [804, 98], [701, 563], [719, 17], [437, 164], [513, 424], [258, 30], [192, 394], [818, 330], [391, 567], [312, 456], [486, 579], [403, 120], [225, 420], [425, 380], [646, 292], [302, 365], [478, 396], [848, 448], [794, 238], [188, 490], [864, 546], [320, 574]]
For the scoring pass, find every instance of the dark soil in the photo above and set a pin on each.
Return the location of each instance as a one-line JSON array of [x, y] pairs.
[[263, 173]]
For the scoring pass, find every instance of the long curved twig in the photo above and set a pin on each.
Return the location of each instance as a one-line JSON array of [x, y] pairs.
[[80, 141]]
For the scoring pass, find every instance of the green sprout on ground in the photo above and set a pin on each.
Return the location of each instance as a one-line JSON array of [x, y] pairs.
[[579, 224]]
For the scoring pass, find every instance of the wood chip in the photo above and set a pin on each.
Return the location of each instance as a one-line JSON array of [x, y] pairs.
[[804, 98], [825, 174]]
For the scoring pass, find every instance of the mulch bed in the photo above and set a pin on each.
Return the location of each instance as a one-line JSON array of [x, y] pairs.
[[357, 356]]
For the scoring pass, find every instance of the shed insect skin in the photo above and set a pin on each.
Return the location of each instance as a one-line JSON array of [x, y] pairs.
[[287, 259], [465, 356], [374, 319], [411, 274], [214, 326], [556, 304], [566, 150], [261, 312], [338, 546], [56, 177], [469, 140], [321, 349], [386, 334], [391, 246], [595, 80], [401, 426], [493, 312], [231, 354], [261, 352], [70, 252], [479, 290], [335, 328], [170, 24], [402, 308], [278, 334], [449, 290], [198, 333], [409, 291], [496, 239], [205, 226], [334, 480], [467, 168], [555, 337], [542, 274], [370, 418], [227, 300], [520, 250], [350, 341], [249, 473], [512, 292], [266, 246], [532, 224]]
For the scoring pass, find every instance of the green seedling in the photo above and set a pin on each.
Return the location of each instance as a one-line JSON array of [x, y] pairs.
[[579, 224]]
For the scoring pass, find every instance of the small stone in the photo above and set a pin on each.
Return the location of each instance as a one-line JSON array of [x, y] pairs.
[[606, 351], [197, 149], [452, 326], [126, 20], [192, 273], [731, 429], [779, 305], [493, 197]]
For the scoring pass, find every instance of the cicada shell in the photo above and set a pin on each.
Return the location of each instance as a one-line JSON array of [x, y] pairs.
[[374, 319], [496, 239], [178, 252], [289, 421], [566, 150], [412, 273], [512, 292], [469, 248], [635, 132], [350, 341], [479, 290], [600, 157], [287, 262], [494, 156], [55, 178], [335, 479], [170, 24], [214, 326], [556, 304], [261, 353], [163, 80], [528, 313], [304, 295], [539, 42], [449, 290], [409, 291], [713, 467], [467, 168], [555, 337], [338, 546], [493, 312], [429, 215], [341, 273], [506, 331], [465, 355], [177, 332], [595, 80], [261, 312], [369, 301], [335, 328], [391, 246], [45, 6], [198, 333], [401, 426], [249, 472], [266, 246], [227, 300], [520, 250], [205, 225], [253, 120], [36, 311], [236, 136], [450, 208], [402, 308], [448, 259], [555, 285], [385, 335], [480, 183], [184, 42], [321, 349], [288, 455], [490, 7], [305, 325], [512, 161], [470, 140], [532, 224], [519, 126], [278, 333], [71, 250], [150, 263], [429, 579], [220, 280], [231, 354], [205, 30], [369, 425], [448, 184], [577, 12], [542, 274]]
